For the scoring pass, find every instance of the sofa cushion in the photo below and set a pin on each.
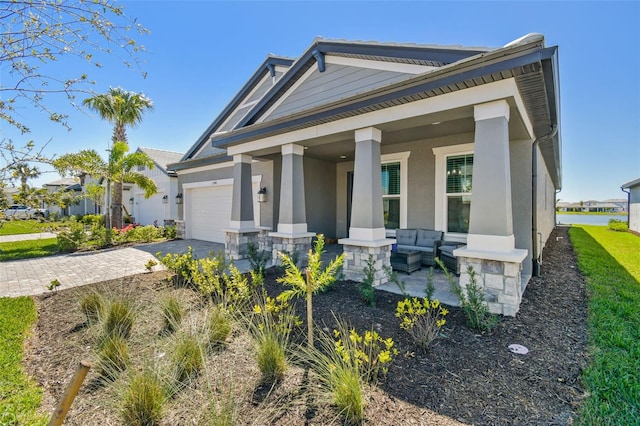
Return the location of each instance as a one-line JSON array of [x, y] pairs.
[[400, 247], [448, 250], [427, 238], [406, 237]]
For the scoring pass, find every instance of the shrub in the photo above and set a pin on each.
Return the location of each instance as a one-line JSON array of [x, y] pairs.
[[169, 232], [218, 326], [172, 312], [72, 236], [146, 234], [143, 400], [392, 276], [98, 234], [113, 357], [92, 305], [471, 300], [340, 377], [92, 219], [257, 259], [618, 225], [119, 317], [422, 319], [181, 266], [187, 359], [429, 289], [366, 287], [372, 353]]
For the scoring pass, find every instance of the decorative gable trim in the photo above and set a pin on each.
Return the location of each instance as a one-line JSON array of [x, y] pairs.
[[379, 65]]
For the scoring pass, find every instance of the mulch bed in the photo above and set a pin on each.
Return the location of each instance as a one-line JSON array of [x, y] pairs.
[[467, 376]]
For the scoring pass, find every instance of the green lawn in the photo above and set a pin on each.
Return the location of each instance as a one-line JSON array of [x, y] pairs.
[[27, 249], [19, 395], [610, 261], [15, 227]]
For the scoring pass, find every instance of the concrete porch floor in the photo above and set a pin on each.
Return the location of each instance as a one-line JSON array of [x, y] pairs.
[[414, 283]]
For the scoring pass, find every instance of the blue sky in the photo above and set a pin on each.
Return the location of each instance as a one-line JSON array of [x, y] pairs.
[[199, 54]]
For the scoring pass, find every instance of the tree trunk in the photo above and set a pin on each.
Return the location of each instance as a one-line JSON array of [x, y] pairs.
[[116, 212], [309, 310]]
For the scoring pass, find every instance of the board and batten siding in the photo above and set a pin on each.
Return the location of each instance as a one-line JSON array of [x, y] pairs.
[[336, 82]]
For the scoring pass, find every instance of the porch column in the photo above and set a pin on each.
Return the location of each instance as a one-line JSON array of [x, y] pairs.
[[490, 246], [367, 235], [292, 236], [242, 229]]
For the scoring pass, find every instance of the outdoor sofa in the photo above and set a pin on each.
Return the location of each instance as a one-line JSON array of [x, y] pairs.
[[425, 241]]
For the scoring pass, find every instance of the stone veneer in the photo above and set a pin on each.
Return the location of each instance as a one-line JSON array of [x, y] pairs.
[[500, 280], [356, 258], [180, 233], [237, 242], [281, 243]]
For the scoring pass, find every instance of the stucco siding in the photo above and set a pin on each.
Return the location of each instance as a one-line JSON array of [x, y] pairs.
[[521, 200], [336, 82], [634, 208], [320, 197], [545, 202]]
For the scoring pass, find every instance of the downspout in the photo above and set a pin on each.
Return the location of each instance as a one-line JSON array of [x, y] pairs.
[[535, 238], [628, 205]]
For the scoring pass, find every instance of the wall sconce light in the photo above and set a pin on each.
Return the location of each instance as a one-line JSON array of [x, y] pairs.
[[262, 194], [165, 199], [131, 200], [179, 198]]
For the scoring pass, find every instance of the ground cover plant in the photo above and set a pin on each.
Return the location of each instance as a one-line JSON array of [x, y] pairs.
[[610, 262], [19, 395], [467, 376], [28, 249]]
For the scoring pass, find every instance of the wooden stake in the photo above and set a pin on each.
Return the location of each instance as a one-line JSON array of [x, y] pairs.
[[72, 390]]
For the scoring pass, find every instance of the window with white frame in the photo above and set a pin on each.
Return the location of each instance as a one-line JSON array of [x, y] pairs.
[[459, 179], [391, 194]]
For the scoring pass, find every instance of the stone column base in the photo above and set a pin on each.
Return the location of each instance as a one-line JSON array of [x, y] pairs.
[[500, 280], [292, 244], [236, 242], [180, 231], [357, 256]]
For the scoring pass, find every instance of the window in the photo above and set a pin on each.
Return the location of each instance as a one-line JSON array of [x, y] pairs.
[[391, 195], [458, 192]]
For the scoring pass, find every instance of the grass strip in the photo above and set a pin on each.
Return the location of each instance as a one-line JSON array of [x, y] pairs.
[[32, 226], [19, 395], [610, 262], [28, 249]]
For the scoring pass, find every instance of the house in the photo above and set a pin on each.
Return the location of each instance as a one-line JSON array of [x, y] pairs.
[[75, 189], [633, 193], [160, 208], [592, 206], [355, 139]]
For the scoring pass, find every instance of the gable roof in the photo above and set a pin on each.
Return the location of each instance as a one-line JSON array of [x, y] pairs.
[[161, 157], [533, 66], [62, 182], [631, 184], [267, 66]]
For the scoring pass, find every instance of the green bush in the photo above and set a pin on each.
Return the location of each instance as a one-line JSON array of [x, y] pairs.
[[618, 225], [119, 317], [187, 359], [169, 232], [72, 236], [257, 259], [113, 357], [366, 287], [271, 342], [172, 312], [92, 305], [422, 319], [146, 234], [143, 400], [92, 219], [218, 326]]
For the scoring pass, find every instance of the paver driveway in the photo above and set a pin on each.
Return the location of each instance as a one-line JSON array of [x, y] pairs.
[[31, 276]]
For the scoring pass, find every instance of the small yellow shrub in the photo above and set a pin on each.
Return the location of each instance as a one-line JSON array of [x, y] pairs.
[[422, 319]]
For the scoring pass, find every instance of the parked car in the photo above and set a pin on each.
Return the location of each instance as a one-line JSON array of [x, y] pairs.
[[20, 211]]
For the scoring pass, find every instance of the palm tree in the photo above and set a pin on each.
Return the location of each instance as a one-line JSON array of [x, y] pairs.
[[24, 172], [121, 108], [120, 168]]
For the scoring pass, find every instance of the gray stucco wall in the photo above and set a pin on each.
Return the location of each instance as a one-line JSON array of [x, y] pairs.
[[545, 204], [634, 208], [521, 199], [320, 196]]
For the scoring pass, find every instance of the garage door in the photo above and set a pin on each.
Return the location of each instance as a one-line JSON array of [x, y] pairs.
[[209, 211]]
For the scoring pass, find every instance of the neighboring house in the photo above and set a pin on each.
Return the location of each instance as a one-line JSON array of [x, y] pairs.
[[632, 188], [76, 187], [356, 139], [161, 206], [591, 206]]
